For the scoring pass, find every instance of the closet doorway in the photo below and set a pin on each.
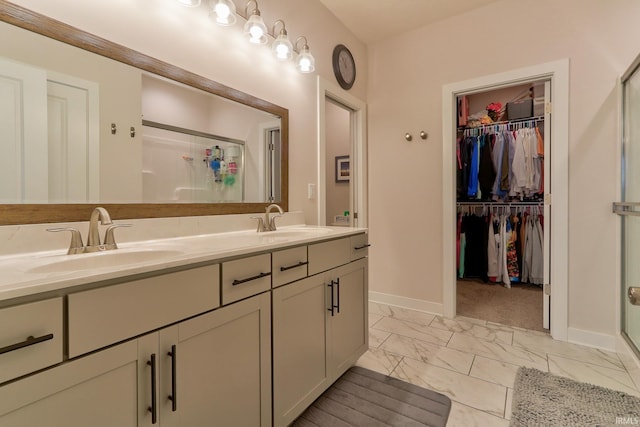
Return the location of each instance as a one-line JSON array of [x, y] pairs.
[[502, 253], [531, 202]]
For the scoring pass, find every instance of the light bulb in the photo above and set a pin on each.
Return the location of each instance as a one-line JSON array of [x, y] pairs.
[[282, 47], [282, 51], [255, 32], [224, 11], [255, 29]]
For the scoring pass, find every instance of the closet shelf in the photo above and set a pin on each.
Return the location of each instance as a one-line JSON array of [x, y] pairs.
[[499, 204], [503, 122]]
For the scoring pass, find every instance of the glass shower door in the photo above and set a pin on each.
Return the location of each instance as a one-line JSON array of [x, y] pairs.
[[629, 208]]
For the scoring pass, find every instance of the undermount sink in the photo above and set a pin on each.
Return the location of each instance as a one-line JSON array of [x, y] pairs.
[[286, 234], [95, 260], [297, 232]]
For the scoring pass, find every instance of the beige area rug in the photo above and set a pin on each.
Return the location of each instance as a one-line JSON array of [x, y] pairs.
[[544, 399], [520, 305]]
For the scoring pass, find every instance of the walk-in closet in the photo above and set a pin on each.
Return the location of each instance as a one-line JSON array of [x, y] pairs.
[[502, 251]]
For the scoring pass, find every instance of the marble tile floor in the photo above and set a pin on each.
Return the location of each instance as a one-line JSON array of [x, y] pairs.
[[474, 362]]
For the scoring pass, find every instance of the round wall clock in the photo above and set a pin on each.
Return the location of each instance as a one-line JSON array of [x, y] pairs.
[[344, 66]]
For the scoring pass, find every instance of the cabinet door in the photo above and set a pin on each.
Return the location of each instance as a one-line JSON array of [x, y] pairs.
[[223, 366], [347, 337], [299, 365], [98, 390]]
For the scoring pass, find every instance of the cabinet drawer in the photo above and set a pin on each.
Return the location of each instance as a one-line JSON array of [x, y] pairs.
[[359, 246], [30, 337], [327, 255], [289, 265], [245, 277], [103, 316]]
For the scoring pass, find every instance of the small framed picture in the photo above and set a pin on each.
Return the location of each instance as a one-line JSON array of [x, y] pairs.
[[343, 169]]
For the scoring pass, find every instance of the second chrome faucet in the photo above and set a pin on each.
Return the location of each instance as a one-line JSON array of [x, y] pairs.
[[99, 215], [269, 222]]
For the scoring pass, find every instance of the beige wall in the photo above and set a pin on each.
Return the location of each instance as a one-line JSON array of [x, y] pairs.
[[188, 38], [598, 37]]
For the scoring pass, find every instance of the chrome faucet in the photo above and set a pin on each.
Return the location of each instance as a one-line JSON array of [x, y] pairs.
[[93, 239], [268, 223]]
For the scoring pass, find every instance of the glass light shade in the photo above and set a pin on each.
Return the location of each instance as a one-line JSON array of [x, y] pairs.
[[305, 63], [190, 3], [223, 11], [255, 29], [282, 47]]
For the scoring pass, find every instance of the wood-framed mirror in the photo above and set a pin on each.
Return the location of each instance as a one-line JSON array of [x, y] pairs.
[[36, 25]]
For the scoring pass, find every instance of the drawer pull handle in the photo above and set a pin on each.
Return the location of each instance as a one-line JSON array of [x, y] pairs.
[[357, 248], [154, 402], [31, 340], [289, 267], [337, 282], [333, 305], [249, 279], [174, 391]]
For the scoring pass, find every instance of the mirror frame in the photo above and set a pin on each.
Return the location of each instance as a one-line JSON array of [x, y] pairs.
[[12, 214]]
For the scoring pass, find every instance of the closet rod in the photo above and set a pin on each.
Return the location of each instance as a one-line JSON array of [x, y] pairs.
[[505, 122], [500, 204]]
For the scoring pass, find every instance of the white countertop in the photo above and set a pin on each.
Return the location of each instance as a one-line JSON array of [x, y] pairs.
[[28, 274]]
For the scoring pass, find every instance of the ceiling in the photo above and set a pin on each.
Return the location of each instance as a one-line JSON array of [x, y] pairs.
[[372, 21]]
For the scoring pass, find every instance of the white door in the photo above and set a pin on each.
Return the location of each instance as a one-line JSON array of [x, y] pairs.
[[23, 132], [546, 286], [70, 144]]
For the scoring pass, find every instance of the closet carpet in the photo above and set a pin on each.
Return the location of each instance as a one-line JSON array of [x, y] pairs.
[[519, 306]]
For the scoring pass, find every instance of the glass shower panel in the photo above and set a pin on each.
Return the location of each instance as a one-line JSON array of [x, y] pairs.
[[631, 215]]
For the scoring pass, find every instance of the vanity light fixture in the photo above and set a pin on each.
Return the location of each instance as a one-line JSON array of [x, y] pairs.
[[223, 12], [305, 62], [190, 3], [255, 28], [282, 47]]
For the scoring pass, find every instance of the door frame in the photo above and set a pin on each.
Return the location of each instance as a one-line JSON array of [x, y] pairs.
[[358, 191], [558, 73]]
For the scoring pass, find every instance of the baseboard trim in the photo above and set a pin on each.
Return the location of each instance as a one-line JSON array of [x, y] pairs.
[[592, 339], [405, 302]]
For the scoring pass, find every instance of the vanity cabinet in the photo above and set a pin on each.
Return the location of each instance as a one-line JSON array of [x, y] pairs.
[[248, 341], [30, 337], [319, 328], [109, 314], [244, 277], [98, 390], [214, 368], [289, 265]]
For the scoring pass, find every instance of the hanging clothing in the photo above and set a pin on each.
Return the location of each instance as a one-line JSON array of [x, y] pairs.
[[500, 165], [537, 262], [487, 172], [472, 189], [476, 246], [492, 250]]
